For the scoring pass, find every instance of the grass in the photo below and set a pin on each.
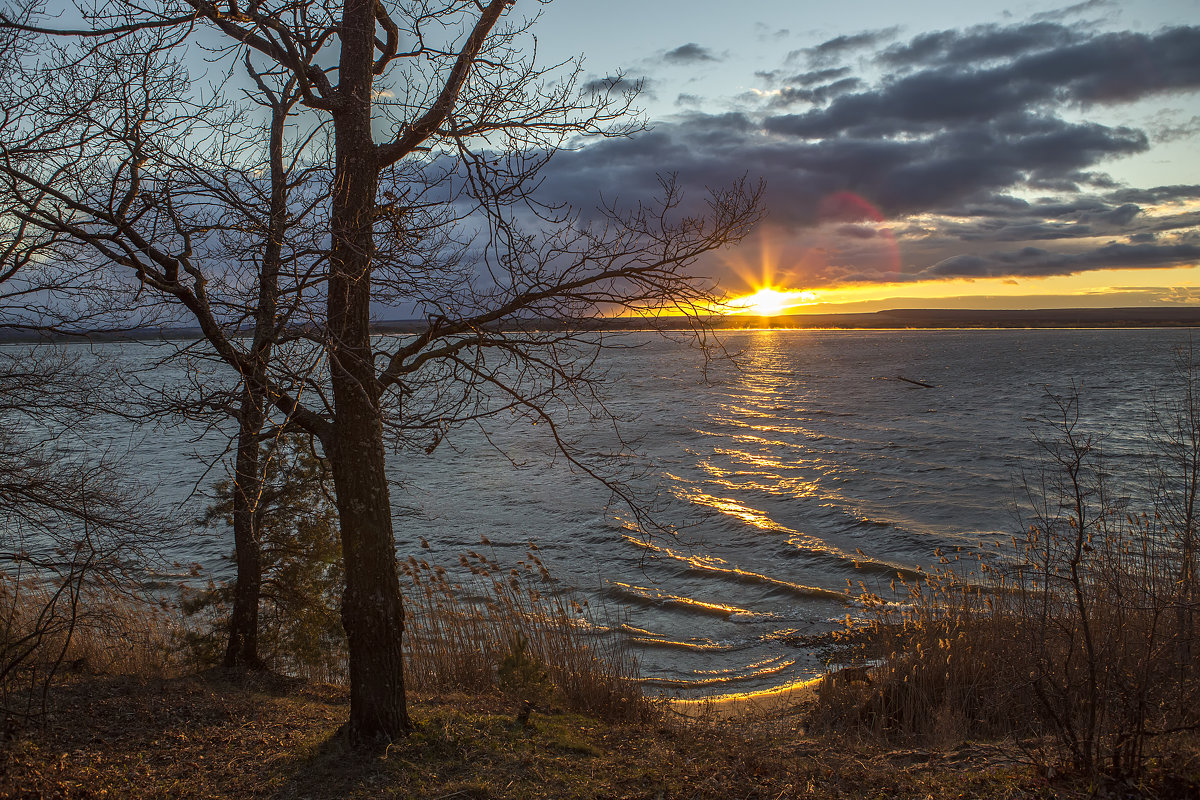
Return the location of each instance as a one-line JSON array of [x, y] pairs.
[[485, 626]]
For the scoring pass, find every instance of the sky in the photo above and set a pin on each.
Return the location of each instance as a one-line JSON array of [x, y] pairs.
[[923, 154]]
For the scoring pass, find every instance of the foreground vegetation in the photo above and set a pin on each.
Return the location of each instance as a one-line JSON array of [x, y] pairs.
[[204, 736]]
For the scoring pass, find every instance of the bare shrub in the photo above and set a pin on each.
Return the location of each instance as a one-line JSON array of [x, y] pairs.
[[1082, 633]]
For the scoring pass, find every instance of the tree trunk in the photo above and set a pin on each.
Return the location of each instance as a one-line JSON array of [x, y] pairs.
[[242, 650], [372, 609]]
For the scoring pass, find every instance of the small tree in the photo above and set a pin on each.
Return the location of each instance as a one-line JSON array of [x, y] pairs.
[[299, 631]]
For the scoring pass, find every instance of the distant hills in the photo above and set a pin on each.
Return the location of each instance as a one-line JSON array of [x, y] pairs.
[[1134, 317]]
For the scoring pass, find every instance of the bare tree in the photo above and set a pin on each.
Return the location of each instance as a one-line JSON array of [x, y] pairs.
[[75, 531], [439, 215], [236, 204]]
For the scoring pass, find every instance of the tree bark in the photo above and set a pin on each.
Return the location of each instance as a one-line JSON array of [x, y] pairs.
[[372, 608], [242, 650]]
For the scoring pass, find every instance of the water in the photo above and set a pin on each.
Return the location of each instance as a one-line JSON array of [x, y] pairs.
[[808, 463]]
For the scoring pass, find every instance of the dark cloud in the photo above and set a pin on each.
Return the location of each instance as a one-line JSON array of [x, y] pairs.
[[690, 53], [1037, 262], [819, 95], [964, 149], [1108, 68], [1157, 194], [979, 44], [818, 76], [616, 84], [838, 46]]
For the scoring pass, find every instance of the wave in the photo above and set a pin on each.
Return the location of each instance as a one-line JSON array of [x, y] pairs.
[[711, 565], [650, 596], [717, 677]]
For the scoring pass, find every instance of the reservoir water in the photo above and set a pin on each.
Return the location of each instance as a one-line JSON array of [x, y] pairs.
[[811, 459]]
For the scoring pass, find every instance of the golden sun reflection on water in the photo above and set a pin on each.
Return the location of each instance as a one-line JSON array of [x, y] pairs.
[[712, 564]]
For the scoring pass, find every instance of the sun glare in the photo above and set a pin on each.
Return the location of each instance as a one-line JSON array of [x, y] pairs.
[[769, 302]]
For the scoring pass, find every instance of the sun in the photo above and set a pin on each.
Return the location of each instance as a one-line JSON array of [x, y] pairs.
[[770, 302]]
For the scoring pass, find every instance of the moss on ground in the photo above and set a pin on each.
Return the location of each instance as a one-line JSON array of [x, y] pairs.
[[209, 737]]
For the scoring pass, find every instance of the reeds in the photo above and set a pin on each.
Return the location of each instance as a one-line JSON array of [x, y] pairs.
[[51, 627], [484, 627], [1081, 637]]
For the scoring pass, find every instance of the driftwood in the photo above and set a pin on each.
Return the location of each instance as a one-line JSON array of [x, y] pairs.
[[909, 380]]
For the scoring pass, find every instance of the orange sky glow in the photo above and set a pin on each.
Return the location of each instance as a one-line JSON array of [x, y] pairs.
[[1099, 289]]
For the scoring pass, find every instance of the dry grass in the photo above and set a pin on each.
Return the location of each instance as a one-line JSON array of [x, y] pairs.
[[1081, 640], [48, 628], [200, 737], [931, 660], [516, 630]]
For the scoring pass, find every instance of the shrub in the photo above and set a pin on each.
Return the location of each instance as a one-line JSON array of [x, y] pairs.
[[300, 631]]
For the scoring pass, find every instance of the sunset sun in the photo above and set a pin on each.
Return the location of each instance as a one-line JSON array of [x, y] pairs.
[[770, 302]]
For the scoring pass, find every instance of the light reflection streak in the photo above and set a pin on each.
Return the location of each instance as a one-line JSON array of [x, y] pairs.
[[806, 543], [759, 520], [706, 646], [749, 672], [709, 564], [655, 596]]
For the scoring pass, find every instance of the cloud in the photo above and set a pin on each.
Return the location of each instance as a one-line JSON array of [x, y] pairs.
[[616, 84], [690, 53], [766, 32], [1075, 10], [1106, 69], [966, 156], [819, 76], [979, 44], [1166, 130], [834, 48], [1037, 262], [819, 95]]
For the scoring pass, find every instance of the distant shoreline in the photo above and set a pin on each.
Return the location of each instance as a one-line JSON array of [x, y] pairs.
[[894, 319]]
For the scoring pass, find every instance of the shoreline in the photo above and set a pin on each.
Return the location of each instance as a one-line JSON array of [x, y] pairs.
[[1129, 318]]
